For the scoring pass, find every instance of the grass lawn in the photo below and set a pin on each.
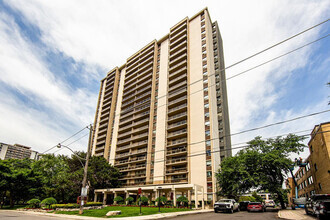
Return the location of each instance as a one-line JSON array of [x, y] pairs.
[[15, 207], [126, 211]]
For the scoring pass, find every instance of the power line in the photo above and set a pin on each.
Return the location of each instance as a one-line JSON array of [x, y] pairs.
[[221, 150], [220, 80], [236, 143], [257, 128], [281, 42], [66, 139], [72, 142]]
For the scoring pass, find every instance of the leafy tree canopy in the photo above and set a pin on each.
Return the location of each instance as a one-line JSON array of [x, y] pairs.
[[262, 166]]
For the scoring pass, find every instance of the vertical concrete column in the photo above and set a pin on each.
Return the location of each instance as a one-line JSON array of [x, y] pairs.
[[203, 198], [189, 197], [196, 198], [115, 195], [105, 198], [127, 195], [174, 198], [95, 197]]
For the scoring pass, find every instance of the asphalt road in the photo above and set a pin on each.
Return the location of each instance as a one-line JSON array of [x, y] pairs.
[[13, 215], [244, 215]]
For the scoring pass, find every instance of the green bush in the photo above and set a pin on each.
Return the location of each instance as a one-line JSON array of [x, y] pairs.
[[162, 200], [246, 198], [144, 200], [118, 199], [93, 204], [182, 200], [65, 206], [48, 202], [34, 203], [129, 200]]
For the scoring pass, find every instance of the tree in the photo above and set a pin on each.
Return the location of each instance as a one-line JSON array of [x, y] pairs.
[[162, 200], [118, 199], [143, 199], [262, 166], [129, 200], [182, 200], [34, 203], [48, 202]]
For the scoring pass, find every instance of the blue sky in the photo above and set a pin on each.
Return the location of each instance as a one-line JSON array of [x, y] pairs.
[[54, 54]]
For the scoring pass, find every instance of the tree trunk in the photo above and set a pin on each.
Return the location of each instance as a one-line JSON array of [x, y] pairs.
[[12, 202], [279, 196]]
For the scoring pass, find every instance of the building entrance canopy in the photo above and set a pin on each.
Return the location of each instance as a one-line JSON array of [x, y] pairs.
[[171, 191]]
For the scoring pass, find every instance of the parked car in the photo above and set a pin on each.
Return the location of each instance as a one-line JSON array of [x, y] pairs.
[[318, 205], [256, 206], [243, 205], [229, 205], [270, 203]]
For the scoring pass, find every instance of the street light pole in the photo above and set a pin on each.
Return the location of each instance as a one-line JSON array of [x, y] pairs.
[[83, 189]]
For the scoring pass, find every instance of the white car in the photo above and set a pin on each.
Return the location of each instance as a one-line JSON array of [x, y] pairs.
[[270, 203], [229, 205]]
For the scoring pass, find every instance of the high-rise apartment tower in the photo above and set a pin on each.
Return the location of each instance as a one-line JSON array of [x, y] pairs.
[[162, 117]]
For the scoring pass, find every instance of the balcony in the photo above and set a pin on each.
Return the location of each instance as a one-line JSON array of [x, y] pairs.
[[176, 33], [177, 93], [104, 120], [178, 47], [177, 171], [177, 134], [176, 151], [178, 60], [143, 84], [122, 155], [178, 78], [105, 110], [121, 162], [176, 161], [176, 86], [137, 137], [178, 53], [177, 109], [177, 125], [127, 140], [177, 41], [177, 142], [128, 133], [137, 167], [177, 101], [177, 117], [138, 159]]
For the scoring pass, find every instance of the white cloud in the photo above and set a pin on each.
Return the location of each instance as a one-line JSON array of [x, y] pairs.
[[106, 33]]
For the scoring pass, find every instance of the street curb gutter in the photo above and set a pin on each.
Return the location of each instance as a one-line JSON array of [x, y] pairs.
[[154, 216]]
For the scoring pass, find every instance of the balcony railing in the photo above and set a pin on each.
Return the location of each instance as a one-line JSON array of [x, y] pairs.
[[177, 116], [172, 134], [180, 170], [183, 140], [178, 160], [174, 125], [177, 150], [177, 107], [177, 100]]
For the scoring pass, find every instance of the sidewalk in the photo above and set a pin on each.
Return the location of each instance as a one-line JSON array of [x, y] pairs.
[[294, 214], [155, 216]]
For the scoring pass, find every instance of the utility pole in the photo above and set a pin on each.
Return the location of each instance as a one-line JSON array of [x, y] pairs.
[[84, 189]]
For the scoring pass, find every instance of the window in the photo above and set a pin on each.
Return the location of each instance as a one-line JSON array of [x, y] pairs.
[[315, 166], [207, 123], [209, 173], [208, 143], [208, 163], [207, 114], [311, 148], [207, 133], [208, 153], [206, 97], [206, 106]]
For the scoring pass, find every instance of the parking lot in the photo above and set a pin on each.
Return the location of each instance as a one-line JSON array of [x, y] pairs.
[[269, 214]]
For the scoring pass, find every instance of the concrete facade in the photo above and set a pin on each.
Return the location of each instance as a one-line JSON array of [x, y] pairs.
[[162, 117], [17, 151], [314, 178]]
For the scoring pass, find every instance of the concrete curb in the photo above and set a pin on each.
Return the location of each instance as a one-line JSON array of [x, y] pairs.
[[154, 216], [293, 214]]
